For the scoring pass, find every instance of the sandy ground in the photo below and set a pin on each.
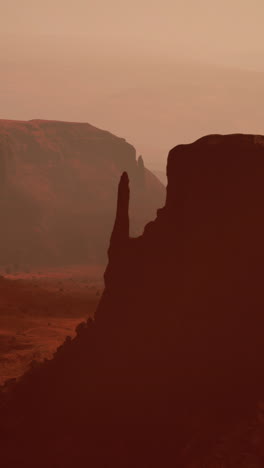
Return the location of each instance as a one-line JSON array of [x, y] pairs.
[[39, 309]]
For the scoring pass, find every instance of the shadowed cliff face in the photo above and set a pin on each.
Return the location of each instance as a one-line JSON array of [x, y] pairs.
[[173, 362], [58, 188]]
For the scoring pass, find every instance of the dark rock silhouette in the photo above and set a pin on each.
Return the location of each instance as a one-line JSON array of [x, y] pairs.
[[57, 191], [172, 366], [120, 232]]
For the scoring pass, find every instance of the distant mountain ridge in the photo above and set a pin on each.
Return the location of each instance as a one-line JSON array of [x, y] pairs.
[[58, 187]]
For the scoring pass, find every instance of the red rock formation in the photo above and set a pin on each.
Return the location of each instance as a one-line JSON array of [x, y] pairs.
[[173, 362], [120, 233]]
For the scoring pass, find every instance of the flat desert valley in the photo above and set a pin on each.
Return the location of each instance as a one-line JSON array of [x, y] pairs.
[[40, 309]]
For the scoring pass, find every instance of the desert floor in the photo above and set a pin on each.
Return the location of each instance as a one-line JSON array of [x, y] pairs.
[[39, 309]]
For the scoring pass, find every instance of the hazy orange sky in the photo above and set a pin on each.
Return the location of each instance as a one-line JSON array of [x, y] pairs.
[[157, 73]]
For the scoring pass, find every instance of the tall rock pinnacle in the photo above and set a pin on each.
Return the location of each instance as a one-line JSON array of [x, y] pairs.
[[121, 227]]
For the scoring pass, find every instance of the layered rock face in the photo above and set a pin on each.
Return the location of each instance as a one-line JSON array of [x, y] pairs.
[[58, 189], [173, 362]]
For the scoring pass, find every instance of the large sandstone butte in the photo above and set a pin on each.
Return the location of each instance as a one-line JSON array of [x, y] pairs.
[[170, 372], [58, 188]]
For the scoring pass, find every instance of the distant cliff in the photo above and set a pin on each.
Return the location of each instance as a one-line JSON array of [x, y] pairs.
[[170, 372], [58, 189]]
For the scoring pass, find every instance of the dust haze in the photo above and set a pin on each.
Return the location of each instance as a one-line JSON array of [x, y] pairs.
[[156, 73]]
